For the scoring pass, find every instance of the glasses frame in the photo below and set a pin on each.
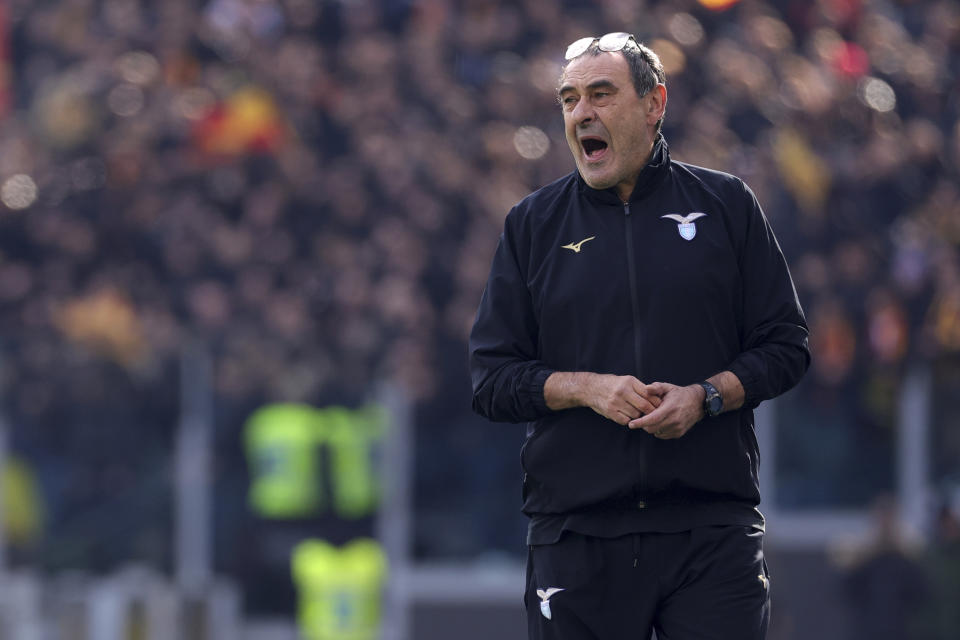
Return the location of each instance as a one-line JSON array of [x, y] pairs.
[[614, 41]]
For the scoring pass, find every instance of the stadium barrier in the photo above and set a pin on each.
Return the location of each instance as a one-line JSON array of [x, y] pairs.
[[136, 602]]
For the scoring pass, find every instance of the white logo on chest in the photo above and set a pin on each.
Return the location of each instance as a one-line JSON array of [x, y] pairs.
[[545, 601], [685, 225]]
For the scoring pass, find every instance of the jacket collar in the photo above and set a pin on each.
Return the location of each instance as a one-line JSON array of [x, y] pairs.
[[650, 177]]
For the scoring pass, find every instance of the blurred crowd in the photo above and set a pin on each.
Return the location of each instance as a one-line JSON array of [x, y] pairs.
[[314, 189]]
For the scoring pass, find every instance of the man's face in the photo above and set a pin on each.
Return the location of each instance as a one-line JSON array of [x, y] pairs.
[[610, 129]]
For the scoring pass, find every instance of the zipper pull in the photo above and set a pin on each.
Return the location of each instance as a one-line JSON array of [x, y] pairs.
[[626, 208]]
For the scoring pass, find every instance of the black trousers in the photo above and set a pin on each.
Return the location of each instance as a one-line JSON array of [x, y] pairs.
[[709, 583]]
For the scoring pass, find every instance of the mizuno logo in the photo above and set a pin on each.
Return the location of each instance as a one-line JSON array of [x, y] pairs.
[[685, 225], [575, 246], [546, 594]]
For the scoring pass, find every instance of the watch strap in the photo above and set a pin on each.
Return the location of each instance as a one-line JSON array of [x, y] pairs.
[[711, 408]]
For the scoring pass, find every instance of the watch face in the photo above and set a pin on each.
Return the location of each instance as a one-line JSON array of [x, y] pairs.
[[714, 404]]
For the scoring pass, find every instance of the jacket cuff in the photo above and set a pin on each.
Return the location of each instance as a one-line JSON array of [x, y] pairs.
[[534, 391], [749, 384]]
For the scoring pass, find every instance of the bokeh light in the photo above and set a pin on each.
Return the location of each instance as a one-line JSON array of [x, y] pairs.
[[193, 103], [531, 142], [771, 33], [673, 59], [877, 94], [685, 29], [138, 67], [125, 100], [18, 191]]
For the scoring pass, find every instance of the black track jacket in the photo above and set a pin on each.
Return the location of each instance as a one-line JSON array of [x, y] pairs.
[[682, 282]]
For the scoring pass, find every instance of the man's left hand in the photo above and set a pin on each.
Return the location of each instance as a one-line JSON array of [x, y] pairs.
[[680, 408]]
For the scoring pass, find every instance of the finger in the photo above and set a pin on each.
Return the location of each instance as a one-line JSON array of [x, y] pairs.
[[652, 398], [632, 406], [658, 388], [650, 422], [640, 405], [645, 406], [645, 391]]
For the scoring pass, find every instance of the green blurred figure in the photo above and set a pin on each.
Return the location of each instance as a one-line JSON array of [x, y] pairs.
[[281, 440], [289, 481], [23, 509], [339, 589]]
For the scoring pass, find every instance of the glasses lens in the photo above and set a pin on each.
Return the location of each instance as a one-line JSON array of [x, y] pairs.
[[613, 41], [579, 46]]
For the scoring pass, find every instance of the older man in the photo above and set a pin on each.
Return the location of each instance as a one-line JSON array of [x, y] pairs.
[[637, 310]]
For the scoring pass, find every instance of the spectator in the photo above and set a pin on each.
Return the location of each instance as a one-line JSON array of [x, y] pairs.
[[940, 618], [886, 585]]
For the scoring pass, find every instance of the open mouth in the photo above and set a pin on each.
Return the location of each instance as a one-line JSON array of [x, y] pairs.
[[593, 148]]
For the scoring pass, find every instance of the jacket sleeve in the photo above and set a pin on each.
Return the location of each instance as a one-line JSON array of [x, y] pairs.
[[507, 377], [774, 336]]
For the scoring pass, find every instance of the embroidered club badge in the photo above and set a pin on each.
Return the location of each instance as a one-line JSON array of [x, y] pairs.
[[545, 601], [685, 224]]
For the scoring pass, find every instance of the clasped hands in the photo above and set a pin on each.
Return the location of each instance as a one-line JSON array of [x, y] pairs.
[[663, 410]]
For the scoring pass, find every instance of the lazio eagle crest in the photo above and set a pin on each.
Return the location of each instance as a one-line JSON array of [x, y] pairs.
[[685, 224], [545, 595]]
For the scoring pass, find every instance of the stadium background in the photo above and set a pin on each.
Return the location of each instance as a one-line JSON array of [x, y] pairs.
[[208, 206]]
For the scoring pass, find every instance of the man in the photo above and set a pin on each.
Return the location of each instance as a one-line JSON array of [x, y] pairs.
[[637, 310]]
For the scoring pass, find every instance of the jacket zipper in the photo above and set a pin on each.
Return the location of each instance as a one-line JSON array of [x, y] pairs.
[[635, 306], [634, 301]]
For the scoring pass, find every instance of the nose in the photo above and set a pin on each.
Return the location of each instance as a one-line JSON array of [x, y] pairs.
[[583, 112]]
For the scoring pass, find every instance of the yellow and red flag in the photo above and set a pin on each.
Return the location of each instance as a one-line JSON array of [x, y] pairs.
[[246, 122]]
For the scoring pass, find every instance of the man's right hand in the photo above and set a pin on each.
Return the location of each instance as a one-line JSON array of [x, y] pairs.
[[617, 398]]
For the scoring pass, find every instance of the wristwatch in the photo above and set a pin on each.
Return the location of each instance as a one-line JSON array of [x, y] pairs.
[[713, 401]]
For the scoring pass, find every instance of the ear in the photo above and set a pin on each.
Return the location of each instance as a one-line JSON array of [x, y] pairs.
[[656, 103]]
